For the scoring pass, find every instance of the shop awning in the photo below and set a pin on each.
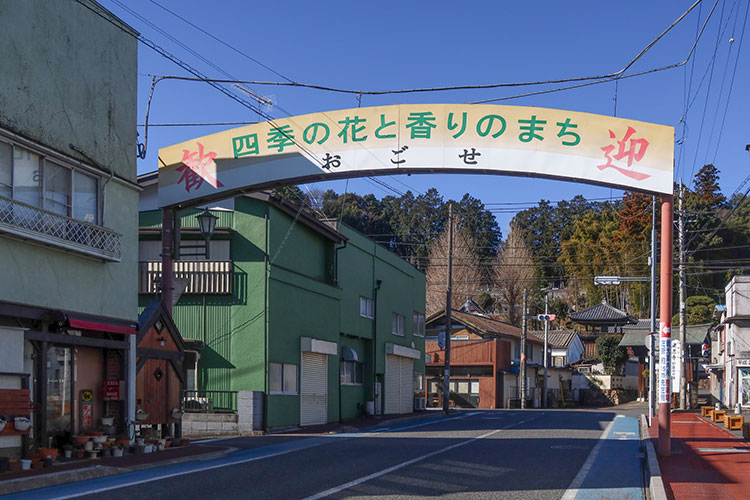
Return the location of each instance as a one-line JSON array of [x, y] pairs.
[[99, 324]]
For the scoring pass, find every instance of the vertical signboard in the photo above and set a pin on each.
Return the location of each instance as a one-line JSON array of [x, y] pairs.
[[87, 402], [665, 362], [676, 362]]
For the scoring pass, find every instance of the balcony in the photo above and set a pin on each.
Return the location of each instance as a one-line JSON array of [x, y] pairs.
[[200, 277], [31, 223]]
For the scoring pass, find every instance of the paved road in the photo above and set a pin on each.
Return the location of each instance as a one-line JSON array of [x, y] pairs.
[[495, 454]]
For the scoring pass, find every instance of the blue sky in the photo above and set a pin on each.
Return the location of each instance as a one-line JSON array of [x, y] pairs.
[[399, 45]]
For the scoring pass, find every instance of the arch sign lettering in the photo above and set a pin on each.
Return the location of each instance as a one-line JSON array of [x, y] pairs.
[[419, 138]]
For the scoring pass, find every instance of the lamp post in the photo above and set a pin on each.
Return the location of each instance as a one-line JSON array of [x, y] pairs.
[[207, 224]]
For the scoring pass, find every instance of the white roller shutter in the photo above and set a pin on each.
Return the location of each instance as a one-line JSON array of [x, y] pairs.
[[407, 385], [399, 384], [314, 389]]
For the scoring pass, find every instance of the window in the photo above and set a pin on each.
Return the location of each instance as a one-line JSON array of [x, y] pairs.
[[366, 307], [352, 373], [398, 325], [42, 182], [474, 386], [283, 378], [418, 324], [418, 382]]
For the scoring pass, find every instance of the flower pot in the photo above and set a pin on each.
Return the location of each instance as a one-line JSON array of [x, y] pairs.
[[68, 453], [80, 440], [25, 464], [22, 423], [108, 420], [48, 452], [88, 446], [117, 452], [141, 415]]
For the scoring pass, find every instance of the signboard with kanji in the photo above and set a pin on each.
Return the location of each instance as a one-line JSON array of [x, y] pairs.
[[417, 138], [111, 390]]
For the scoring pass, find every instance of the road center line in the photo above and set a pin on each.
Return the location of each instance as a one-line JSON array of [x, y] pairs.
[[394, 468], [572, 490]]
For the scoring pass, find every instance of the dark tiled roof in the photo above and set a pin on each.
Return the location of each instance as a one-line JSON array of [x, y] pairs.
[[602, 314], [557, 338], [481, 325]]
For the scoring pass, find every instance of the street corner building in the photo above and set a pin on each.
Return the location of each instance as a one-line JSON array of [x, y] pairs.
[[68, 234], [293, 321]]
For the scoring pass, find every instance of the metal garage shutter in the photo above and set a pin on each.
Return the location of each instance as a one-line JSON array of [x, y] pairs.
[[399, 384], [392, 384], [406, 401], [314, 389]]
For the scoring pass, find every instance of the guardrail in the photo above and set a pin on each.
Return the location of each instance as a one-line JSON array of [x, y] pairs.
[[209, 402], [33, 223]]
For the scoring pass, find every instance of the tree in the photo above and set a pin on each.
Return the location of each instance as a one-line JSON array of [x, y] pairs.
[[467, 279], [699, 309], [610, 354], [514, 272]]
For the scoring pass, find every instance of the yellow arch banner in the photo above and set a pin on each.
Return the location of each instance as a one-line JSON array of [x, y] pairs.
[[420, 138]]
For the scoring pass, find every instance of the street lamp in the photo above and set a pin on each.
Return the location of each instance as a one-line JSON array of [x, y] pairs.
[[207, 224]]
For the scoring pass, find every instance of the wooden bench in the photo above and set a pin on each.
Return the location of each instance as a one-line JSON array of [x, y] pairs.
[[717, 415], [734, 422], [705, 410], [14, 403]]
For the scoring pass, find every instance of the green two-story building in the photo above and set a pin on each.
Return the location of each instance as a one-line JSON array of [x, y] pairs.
[[323, 321]]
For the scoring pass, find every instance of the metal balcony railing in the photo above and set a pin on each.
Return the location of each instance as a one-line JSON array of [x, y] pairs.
[[33, 223], [203, 277]]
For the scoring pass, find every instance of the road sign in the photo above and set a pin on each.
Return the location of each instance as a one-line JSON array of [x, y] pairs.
[[676, 365]]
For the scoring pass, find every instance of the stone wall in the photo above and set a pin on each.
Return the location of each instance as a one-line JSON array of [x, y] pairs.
[[247, 420]]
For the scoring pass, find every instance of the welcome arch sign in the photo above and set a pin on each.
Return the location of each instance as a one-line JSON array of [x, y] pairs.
[[416, 138], [431, 138]]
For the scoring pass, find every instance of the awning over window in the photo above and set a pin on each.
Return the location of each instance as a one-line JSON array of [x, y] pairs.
[[101, 324]]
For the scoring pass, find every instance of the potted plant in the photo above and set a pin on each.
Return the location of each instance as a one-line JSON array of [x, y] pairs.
[[141, 415], [48, 453], [22, 423], [107, 421], [68, 450]]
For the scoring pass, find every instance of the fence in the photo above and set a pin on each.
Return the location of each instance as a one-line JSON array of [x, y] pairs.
[[209, 402], [201, 277]]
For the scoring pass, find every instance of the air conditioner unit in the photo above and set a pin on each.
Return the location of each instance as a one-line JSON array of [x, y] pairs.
[[420, 403]]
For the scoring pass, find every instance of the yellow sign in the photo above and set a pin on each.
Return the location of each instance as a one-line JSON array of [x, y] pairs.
[[420, 138], [87, 396]]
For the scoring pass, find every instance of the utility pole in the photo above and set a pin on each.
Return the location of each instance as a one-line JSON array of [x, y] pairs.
[[522, 374], [652, 335], [546, 332], [683, 319], [448, 325]]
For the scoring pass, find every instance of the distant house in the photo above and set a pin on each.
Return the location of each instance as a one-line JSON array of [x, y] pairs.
[[484, 362], [730, 352], [599, 320]]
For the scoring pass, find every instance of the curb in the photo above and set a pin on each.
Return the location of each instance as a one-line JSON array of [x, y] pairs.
[[410, 418], [655, 482], [95, 471]]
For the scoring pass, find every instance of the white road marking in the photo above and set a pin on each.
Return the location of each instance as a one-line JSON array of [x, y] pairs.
[[572, 491], [394, 468], [723, 450]]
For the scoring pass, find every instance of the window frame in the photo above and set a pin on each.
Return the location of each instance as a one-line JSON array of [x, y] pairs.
[[283, 374], [368, 311], [43, 200], [357, 372], [418, 324], [398, 324]]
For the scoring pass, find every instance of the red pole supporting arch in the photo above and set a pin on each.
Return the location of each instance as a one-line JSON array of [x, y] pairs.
[[665, 327]]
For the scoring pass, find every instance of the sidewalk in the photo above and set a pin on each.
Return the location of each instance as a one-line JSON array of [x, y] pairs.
[[707, 461], [76, 470]]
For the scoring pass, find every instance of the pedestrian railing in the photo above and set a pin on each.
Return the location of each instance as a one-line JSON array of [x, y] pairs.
[[209, 402]]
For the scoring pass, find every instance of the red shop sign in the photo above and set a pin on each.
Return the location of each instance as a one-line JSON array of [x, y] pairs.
[[111, 390]]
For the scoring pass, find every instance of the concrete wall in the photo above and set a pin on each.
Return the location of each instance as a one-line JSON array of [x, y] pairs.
[[69, 77], [247, 421]]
